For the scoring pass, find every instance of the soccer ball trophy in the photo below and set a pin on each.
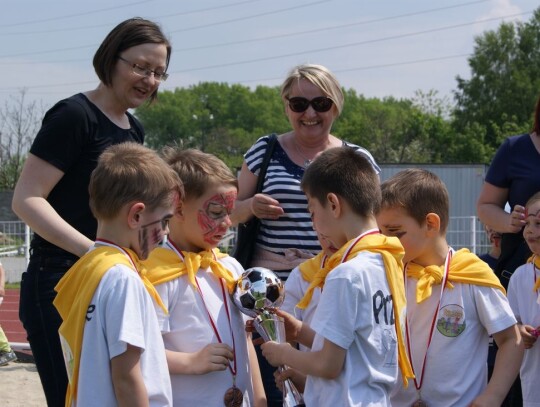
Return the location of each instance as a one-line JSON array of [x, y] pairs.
[[257, 291]]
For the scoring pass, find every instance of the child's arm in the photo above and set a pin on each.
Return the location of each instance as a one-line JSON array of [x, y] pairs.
[[507, 364], [296, 331], [326, 363], [128, 383], [212, 358], [259, 395]]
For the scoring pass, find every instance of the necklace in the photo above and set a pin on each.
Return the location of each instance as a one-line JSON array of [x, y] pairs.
[[307, 161]]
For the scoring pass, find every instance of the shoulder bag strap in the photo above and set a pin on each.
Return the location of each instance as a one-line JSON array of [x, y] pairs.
[[266, 160]]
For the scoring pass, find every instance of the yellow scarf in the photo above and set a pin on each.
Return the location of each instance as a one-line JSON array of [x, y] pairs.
[[465, 267], [391, 251], [310, 267], [536, 261], [164, 265], [75, 291]]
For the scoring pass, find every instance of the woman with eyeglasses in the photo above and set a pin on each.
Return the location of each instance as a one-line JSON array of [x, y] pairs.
[[313, 99], [51, 195]]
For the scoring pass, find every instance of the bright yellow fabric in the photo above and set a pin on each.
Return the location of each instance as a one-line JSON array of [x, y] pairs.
[[75, 291], [310, 267], [391, 251], [164, 265], [534, 259], [465, 268]]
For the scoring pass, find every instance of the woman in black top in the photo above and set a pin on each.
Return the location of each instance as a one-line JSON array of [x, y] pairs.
[[51, 195]]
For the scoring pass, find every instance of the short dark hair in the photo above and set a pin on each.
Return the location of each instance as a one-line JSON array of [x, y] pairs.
[[347, 173], [418, 192], [127, 34]]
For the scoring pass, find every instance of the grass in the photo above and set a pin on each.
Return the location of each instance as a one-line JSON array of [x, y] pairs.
[[13, 285]]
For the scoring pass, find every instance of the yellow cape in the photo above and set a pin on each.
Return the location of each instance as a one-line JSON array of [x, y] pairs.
[[164, 265], [465, 268], [75, 291], [391, 251]]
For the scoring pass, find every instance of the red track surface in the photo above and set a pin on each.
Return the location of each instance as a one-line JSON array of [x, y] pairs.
[[9, 317]]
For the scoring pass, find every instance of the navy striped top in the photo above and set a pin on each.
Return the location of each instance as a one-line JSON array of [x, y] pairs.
[[294, 228]]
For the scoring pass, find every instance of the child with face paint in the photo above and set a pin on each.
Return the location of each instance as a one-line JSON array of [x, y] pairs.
[[524, 298], [210, 356], [110, 335]]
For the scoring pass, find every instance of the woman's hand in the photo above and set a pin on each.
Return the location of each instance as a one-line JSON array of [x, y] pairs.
[[265, 207], [517, 218]]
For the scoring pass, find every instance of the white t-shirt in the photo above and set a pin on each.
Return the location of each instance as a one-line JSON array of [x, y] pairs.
[[121, 312], [295, 288], [355, 312], [526, 306], [187, 328], [456, 365]]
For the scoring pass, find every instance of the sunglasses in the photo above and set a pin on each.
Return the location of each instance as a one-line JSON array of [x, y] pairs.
[[320, 104]]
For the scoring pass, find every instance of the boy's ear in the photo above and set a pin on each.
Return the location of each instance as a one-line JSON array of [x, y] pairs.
[[335, 204], [134, 215], [433, 223], [178, 210]]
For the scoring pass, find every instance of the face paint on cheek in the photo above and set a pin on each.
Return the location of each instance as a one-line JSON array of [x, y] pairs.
[[212, 216], [143, 244], [208, 226]]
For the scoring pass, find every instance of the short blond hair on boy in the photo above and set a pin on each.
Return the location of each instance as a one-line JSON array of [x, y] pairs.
[[418, 192], [347, 173], [127, 173], [198, 170]]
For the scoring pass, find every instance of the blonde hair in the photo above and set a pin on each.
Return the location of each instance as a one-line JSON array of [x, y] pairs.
[[319, 76], [198, 171], [128, 173]]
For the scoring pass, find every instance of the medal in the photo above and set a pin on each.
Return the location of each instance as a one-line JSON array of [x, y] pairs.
[[418, 383], [233, 397]]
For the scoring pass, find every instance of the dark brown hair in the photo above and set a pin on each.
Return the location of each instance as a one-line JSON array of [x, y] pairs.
[[348, 174], [127, 34]]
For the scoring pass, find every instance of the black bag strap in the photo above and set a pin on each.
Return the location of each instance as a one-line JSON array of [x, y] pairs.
[[272, 139]]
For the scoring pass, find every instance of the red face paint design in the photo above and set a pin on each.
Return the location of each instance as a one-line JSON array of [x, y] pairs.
[[151, 235], [213, 217]]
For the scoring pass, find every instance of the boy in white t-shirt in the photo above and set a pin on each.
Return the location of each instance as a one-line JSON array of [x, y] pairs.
[[211, 357], [524, 297], [454, 302], [355, 335], [110, 335]]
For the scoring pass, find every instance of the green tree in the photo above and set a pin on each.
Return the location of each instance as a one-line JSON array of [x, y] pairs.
[[504, 83]]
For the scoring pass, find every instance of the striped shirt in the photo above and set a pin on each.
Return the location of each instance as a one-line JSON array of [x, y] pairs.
[[294, 228]]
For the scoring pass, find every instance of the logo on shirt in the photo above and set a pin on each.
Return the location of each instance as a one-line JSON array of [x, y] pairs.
[[451, 322]]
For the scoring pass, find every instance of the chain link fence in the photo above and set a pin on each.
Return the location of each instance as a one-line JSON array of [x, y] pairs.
[[463, 232]]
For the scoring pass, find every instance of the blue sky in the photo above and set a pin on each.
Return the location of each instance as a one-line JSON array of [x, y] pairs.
[[379, 48]]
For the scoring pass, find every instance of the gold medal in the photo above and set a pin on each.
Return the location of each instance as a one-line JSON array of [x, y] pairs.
[[233, 397], [419, 403]]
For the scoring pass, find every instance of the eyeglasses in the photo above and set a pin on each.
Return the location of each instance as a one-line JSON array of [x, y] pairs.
[[164, 223], [145, 72], [320, 104]]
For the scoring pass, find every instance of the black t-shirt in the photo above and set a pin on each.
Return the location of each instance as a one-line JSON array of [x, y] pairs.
[[73, 135]]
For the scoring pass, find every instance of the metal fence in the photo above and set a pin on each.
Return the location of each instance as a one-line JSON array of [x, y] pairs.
[[463, 232]]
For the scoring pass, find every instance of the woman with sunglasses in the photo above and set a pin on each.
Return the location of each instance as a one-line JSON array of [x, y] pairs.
[[313, 99], [51, 195]]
